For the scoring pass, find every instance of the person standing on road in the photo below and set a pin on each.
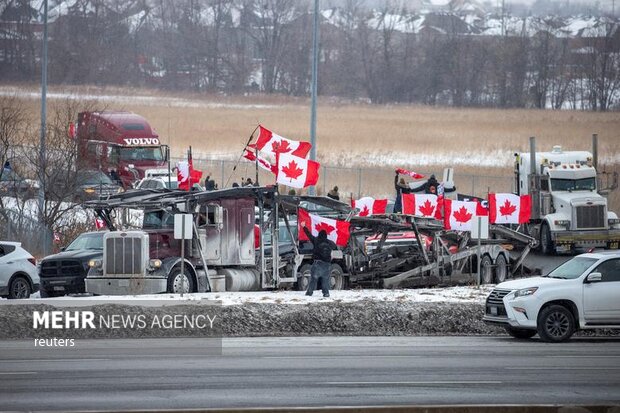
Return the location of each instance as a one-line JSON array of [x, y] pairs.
[[322, 255]]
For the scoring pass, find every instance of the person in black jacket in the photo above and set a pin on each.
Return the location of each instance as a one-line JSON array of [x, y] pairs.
[[401, 188], [322, 255]]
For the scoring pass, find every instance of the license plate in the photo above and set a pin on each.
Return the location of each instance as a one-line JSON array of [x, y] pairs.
[[59, 288], [493, 310]]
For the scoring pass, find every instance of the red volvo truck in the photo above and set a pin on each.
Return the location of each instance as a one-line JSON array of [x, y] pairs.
[[123, 144]]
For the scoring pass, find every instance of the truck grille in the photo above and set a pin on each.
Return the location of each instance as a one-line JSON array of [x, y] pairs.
[[62, 268], [590, 216], [495, 299], [123, 256]]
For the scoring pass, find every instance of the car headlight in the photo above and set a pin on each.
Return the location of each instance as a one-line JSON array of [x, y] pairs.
[[89, 190], [94, 263], [120, 189], [524, 292]]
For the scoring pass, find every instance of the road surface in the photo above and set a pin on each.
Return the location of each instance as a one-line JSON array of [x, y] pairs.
[[313, 371]]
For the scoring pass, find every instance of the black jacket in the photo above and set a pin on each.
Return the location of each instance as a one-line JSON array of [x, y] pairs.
[[322, 247]]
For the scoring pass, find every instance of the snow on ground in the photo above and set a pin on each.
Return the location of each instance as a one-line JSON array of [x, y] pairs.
[[464, 294]]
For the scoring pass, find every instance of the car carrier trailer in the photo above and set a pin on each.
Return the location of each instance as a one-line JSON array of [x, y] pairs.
[[222, 254]]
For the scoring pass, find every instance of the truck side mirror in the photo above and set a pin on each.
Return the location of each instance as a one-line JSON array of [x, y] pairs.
[[594, 277], [166, 153]]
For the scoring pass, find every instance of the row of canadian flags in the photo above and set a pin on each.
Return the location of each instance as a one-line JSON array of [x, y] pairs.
[[458, 215]]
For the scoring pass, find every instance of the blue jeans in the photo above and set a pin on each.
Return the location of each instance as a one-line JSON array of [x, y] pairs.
[[322, 270]]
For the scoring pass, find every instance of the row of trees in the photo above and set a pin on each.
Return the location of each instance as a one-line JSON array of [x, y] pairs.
[[239, 46]]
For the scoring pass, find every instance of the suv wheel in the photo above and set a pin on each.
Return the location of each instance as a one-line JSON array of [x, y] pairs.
[[555, 324], [19, 288], [520, 333]]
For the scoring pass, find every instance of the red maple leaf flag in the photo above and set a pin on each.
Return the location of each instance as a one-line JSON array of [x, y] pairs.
[[99, 224], [262, 162], [273, 144], [370, 206], [412, 174], [337, 230], [296, 172], [421, 205], [459, 214], [509, 209], [186, 174]]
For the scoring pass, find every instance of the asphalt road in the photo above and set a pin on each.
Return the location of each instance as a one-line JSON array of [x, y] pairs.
[[316, 371]]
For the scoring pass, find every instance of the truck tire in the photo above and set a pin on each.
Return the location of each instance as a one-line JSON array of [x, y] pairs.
[[555, 324], [486, 270], [520, 333], [303, 277], [175, 281], [337, 280], [546, 244], [501, 269]]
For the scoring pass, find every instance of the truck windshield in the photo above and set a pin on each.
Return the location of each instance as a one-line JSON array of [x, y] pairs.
[[157, 220], [573, 268], [87, 242], [141, 154], [585, 184]]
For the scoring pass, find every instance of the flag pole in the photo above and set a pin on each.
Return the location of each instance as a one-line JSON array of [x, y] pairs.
[[189, 169], [241, 156], [256, 164]]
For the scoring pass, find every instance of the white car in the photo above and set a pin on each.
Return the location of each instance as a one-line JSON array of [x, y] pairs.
[[158, 182], [18, 271], [583, 293]]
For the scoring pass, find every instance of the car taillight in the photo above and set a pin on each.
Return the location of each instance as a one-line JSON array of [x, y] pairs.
[[33, 261]]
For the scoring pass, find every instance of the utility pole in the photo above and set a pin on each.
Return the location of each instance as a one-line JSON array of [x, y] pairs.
[[315, 72], [43, 127]]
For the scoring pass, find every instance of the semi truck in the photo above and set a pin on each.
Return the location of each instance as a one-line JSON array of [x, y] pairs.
[[569, 207], [122, 144]]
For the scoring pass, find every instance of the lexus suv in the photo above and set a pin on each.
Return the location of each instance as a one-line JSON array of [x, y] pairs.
[[64, 273], [583, 293]]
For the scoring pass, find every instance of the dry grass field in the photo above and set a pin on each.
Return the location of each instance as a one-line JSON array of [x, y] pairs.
[[357, 135]]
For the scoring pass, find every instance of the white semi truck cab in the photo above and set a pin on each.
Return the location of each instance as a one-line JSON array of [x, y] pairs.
[[569, 211]]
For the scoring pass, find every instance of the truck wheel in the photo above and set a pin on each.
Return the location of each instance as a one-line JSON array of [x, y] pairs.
[[555, 324], [19, 288], [501, 269], [520, 333], [175, 281], [486, 270], [337, 278], [303, 277], [546, 244]]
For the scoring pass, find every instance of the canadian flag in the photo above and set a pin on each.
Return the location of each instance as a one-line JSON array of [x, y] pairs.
[[369, 206], [337, 230], [262, 162], [99, 224], [412, 174], [458, 215], [72, 132], [269, 142], [296, 172], [509, 209], [422, 205], [186, 174]]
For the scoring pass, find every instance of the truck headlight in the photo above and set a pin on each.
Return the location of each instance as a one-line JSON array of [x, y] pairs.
[[562, 223], [155, 263], [524, 292], [94, 263], [613, 221], [120, 189], [89, 190]]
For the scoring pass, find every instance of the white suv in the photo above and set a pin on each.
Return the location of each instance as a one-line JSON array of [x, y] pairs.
[[583, 293]]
